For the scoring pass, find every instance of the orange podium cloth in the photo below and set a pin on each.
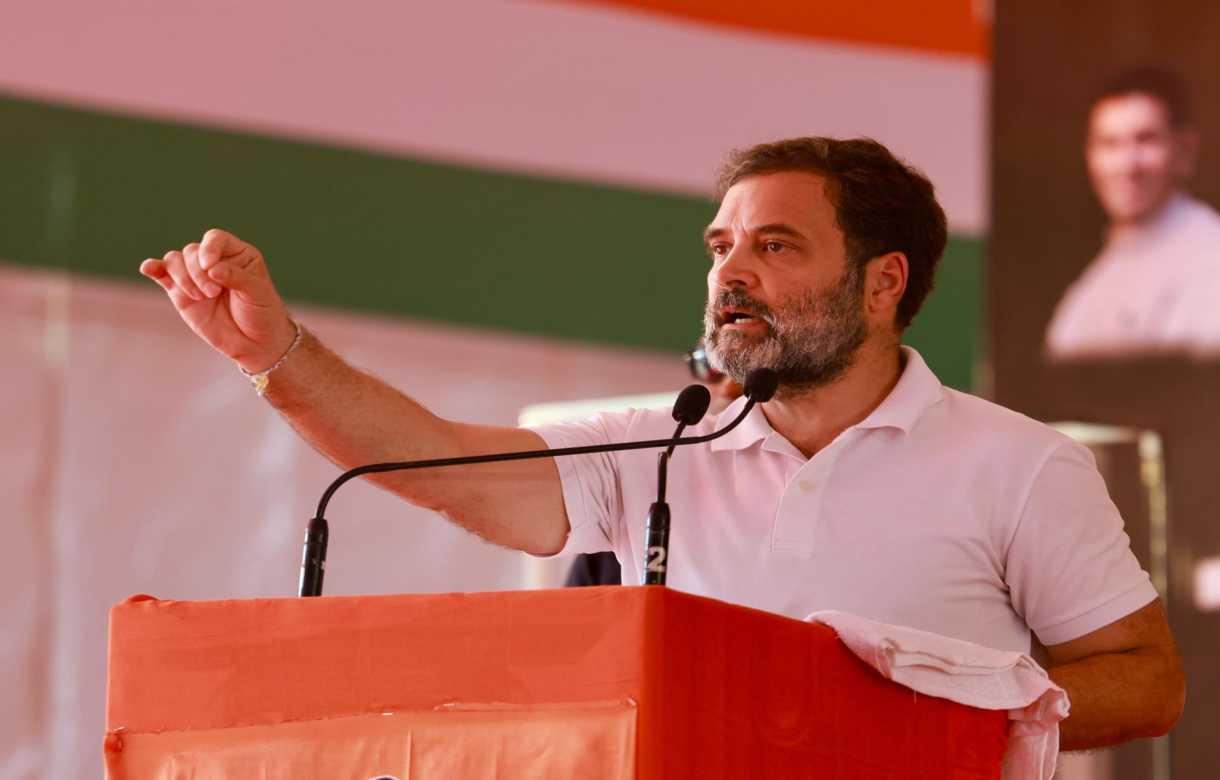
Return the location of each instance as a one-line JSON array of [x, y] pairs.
[[590, 682]]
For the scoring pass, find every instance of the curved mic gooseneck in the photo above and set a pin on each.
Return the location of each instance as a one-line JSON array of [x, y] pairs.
[[689, 409], [760, 386]]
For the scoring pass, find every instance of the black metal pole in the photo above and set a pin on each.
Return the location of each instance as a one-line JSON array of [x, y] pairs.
[[656, 544], [656, 531], [313, 559]]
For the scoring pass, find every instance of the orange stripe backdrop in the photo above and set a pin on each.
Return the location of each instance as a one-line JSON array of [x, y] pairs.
[[947, 26]]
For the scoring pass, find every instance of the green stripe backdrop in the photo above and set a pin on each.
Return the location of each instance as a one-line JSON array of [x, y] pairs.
[[96, 193]]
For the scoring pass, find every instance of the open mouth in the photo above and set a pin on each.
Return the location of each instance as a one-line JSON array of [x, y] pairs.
[[736, 317]]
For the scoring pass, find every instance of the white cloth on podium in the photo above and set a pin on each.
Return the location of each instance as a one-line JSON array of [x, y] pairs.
[[970, 674]]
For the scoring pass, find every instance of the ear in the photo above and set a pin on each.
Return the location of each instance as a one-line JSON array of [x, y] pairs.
[[885, 282]]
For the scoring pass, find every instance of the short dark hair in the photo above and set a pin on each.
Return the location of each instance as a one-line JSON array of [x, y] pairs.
[[881, 203], [1157, 82]]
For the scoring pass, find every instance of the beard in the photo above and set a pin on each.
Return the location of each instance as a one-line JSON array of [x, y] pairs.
[[810, 340]]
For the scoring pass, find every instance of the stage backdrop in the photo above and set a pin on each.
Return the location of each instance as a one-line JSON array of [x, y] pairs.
[[490, 204], [1051, 59]]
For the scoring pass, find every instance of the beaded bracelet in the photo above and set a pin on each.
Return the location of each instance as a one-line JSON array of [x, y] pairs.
[[262, 378]]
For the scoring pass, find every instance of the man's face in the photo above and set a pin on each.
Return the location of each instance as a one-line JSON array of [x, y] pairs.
[[1136, 160], [781, 293]]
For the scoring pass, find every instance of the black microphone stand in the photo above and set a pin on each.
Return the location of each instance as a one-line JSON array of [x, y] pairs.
[[656, 531], [317, 534]]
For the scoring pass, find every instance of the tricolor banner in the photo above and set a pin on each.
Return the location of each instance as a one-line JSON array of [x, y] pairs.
[[491, 204]]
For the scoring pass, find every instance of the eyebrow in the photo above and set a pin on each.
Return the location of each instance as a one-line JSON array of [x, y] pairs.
[[771, 228]]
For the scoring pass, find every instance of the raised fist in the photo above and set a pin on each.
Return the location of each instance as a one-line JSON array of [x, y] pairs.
[[222, 290]]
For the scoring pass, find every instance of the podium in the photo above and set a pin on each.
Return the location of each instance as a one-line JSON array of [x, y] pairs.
[[612, 682]]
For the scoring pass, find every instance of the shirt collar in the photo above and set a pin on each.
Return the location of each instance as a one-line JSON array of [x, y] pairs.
[[1169, 219], [917, 390], [752, 429]]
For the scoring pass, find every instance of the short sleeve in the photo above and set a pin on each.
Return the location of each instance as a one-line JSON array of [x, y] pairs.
[[590, 483], [1069, 567]]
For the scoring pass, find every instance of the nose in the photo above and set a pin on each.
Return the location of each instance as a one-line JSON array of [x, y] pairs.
[[1126, 160], [738, 268]]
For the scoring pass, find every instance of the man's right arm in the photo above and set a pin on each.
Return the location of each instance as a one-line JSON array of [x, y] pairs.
[[222, 290]]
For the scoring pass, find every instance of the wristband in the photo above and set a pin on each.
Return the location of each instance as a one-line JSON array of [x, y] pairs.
[[262, 378]]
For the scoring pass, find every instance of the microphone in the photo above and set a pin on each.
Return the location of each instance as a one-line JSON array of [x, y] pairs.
[[692, 403], [760, 385], [689, 409]]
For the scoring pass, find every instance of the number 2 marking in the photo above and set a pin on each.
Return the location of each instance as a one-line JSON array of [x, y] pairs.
[[656, 559]]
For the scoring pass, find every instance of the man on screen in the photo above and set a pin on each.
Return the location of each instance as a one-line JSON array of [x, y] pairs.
[[863, 485], [1154, 288]]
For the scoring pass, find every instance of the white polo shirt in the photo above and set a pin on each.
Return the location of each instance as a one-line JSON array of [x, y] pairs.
[[939, 511]]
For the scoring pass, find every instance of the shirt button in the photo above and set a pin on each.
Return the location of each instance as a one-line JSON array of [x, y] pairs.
[[805, 485]]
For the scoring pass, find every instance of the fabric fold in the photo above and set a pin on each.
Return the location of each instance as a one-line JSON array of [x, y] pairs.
[[967, 673]]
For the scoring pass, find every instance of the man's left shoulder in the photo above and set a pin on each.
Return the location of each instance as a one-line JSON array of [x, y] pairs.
[[985, 424], [1192, 241]]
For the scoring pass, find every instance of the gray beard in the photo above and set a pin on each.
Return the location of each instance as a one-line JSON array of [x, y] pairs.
[[810, 341]]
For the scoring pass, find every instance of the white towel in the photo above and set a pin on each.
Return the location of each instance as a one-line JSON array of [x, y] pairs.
[[969, 674]]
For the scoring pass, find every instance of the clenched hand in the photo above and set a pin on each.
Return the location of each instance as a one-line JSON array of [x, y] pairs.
[[223, 291]]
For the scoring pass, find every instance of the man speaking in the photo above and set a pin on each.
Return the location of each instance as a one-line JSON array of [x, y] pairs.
[[864, 485]]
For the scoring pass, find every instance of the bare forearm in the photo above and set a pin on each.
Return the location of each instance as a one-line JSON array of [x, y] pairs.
[[350, 416], [353, 419], [1117, 697], [222, 290]]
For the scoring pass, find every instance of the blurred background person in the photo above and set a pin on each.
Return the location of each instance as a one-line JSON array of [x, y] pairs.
[[1155, 285], [724, 390]]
